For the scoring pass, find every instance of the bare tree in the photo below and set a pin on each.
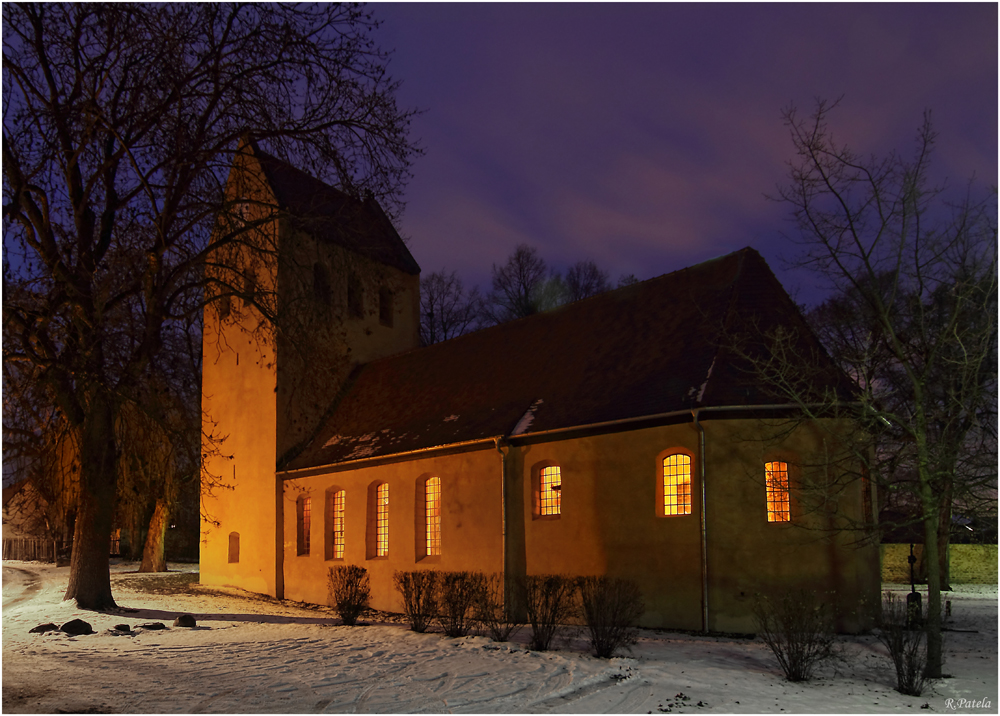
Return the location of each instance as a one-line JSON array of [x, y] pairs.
[[523, 287], [913, 321], [120, 123], [447, 310], [584, 279]]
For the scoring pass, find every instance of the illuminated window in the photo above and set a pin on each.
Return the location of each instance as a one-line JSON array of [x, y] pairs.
[[234, 547], [382, 520], [677, 484], [303, 510], [432, 516], [335, 522], [776, 481], [550, 491]]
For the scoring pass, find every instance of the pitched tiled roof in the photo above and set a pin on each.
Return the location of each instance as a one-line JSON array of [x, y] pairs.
[[643, 350], [329, 214]]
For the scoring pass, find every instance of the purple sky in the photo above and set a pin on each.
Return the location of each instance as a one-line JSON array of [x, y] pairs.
[[644, 137]]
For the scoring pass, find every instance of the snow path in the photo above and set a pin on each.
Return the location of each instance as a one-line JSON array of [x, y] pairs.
[[264, 656]]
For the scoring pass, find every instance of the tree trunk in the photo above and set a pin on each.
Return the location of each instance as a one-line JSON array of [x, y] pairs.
[[153, 559], [944, 537], [90, 573], [933, 619]]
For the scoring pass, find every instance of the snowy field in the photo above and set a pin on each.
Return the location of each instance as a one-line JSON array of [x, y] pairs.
[[256, 655]]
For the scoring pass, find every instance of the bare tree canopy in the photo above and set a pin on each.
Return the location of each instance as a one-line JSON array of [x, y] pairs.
[[447, 310], [912, 320], [120, 123], [585, 279]]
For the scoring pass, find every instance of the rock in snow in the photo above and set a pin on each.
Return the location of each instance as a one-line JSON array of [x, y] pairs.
[[42, 628], [185, 620], [77, 627]]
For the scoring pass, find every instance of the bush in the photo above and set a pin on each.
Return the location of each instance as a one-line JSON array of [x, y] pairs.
[[611, 607], [797, 628], [419, 601], [457, 596], [349, 591], [497, 608], [906, 646], [548, 600]]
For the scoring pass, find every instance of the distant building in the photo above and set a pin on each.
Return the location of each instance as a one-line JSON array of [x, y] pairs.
[[616, 435]]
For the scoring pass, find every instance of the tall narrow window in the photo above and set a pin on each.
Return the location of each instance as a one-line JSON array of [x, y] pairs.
[[303, 510], [335, 524], [234, 547], [355, 297], [866, 497], [382, 520], [776, 483], [432, 516], [677, 484], [550, 491], [321, 283], [385, 307]]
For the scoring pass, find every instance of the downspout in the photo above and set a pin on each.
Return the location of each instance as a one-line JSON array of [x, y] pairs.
[[704, 523], [503, 506]]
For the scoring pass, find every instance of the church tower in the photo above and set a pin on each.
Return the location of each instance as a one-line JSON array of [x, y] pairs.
[[309, 284]]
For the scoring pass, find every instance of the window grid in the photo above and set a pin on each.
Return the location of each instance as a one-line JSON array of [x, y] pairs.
[[677, 484], [778, 505], [337, 518], [432, 515], [382, 521], [550, 492], [305, 524]]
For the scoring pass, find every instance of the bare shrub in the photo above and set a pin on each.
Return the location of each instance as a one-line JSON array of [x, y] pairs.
[[907, 647], [611, 607], [798, 629], [457, 596], [497, 607], [419, 599], [549, 602], [350, 591]]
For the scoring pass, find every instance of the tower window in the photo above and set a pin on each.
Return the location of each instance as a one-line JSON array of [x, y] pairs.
[[234, 547], [321, 283], [385, 307], [355, 297]]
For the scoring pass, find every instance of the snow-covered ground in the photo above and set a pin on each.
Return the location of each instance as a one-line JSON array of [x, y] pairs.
[[252, 654]]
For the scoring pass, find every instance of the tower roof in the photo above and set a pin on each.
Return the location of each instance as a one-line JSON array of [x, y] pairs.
[[330, 215]]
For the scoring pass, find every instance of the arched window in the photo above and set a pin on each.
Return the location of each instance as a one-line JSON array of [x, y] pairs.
[[776, 486], [677, 484], [550, 491], [385, 306], [355, 297], [377, 534], [321, 283], [234, 547], [303, 523], [432, 516], [335, 542]]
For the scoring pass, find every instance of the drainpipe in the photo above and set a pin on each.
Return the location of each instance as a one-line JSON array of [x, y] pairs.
[[503, 504], [704, 524]]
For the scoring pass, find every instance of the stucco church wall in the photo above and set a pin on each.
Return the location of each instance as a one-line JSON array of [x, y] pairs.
[[609, 525], [471, 523], [238, 387]]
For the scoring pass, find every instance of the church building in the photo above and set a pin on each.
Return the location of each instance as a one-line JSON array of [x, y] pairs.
[[624, 434]]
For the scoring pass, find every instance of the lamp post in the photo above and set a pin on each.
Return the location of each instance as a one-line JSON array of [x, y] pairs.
[[914, 610]]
